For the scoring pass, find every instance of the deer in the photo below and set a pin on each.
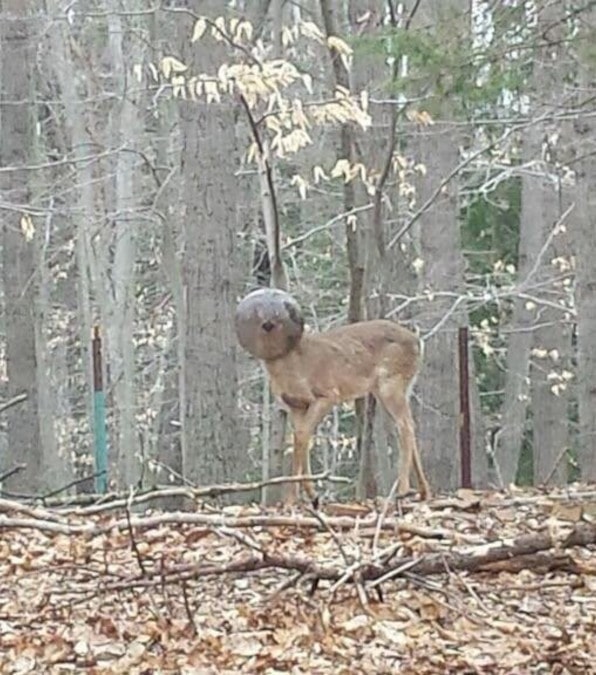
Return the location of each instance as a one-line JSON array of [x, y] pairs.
[[311, 372]]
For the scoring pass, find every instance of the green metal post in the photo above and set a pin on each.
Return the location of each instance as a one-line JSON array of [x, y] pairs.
[[99, 418]]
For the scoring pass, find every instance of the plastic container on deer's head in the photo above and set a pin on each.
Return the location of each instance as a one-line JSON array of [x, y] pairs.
[[269, 323]]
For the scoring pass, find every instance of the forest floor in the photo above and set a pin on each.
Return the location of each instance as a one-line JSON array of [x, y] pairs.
[[472, 583]]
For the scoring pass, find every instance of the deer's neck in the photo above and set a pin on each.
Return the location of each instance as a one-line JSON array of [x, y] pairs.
[[281, 365]]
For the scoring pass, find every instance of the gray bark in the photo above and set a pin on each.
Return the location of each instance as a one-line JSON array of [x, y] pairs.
[[166, 144], [84, 213], [18, 260], [550, 397], [120, 308], [212, 446], [439, 245], [585, 297], [538, 202], [585, 246], [541, 208], [377, 439], [437, 238]]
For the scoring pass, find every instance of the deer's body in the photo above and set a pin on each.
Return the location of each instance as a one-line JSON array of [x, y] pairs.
[[311, 373], [344, 363], [372, 357]]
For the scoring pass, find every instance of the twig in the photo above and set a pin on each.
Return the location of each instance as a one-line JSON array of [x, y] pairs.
[[448, 314], [564, 450], [189, 612], [456, 170], [551, 235], [412, 14], [116, 501], [353, 567], [223, 34], [73, 483], [19, 398], [396, 572], [339, 522], [288, 583], [339, 218], [241, 538], [36, 513], [11, 472], [172, 472], [133, 541], [468, 586], [45, 526], [270, 215], [389, 499], [321, 519]]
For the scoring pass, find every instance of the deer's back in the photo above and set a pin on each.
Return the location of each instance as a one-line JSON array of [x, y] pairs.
[[347, 362]]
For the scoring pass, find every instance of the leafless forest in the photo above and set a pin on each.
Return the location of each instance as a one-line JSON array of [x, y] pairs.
[[432, 164], [427, 161]]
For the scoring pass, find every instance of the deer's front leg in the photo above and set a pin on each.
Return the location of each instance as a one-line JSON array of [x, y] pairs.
[[305, 422]]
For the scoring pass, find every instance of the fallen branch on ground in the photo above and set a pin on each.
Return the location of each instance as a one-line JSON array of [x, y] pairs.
[[526, 552], [90, 504], [526, 549], [365, 526]]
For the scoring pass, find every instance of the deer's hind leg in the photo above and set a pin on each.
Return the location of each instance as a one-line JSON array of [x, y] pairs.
[[393, 394]]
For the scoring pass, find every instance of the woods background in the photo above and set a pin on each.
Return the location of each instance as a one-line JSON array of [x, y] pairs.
[[432, 161]]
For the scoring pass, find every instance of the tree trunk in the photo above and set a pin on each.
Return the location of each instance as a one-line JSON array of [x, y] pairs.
[[169, 451], [119, 311], [584, 240], [78, 142], [437, 237], [18, 113], [550, 390], [538, 202], [541, 207], [354, 231], [376, 437], [213, 448], [345, 150]]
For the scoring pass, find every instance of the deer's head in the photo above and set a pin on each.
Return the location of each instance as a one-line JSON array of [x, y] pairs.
[[269, 323]]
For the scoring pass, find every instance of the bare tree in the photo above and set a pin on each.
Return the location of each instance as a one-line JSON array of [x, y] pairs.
[[345, 151], [269, 257], [550, 392], [440, 264], [354, 231], [212, 443], [585, 245], [166, 145], [376, 149], [119, 309], [74, 124], [533, 324], [19, 262]]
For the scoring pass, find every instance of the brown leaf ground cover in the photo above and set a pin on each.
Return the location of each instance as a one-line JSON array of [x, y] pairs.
[[475, 583]]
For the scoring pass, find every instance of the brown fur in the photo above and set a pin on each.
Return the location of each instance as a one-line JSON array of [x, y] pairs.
[[324, 369]]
